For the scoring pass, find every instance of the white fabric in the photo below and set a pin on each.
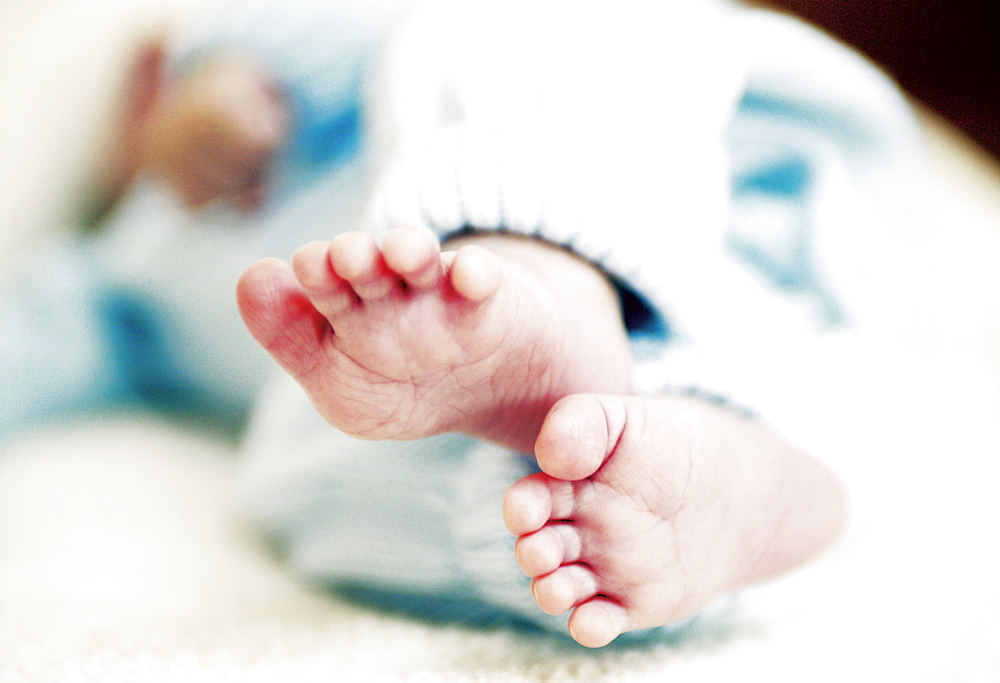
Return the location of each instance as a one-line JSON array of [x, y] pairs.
[[635, 173], [587, 126]]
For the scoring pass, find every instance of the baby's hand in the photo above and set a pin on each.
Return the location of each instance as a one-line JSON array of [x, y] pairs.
[[215, 130]]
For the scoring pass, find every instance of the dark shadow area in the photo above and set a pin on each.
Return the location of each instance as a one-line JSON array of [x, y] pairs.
[[943, 52]]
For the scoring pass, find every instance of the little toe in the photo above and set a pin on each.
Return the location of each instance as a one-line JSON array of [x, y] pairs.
[[475, 273], [356, 258], [415, 255], [597, 622], [547, 549], [578, 434], [280, 316], [564, 588]]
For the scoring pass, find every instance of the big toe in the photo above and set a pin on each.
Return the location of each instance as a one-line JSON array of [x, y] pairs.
[[578, 435]]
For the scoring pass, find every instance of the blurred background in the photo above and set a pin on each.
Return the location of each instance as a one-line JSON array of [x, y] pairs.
[[61, 63]]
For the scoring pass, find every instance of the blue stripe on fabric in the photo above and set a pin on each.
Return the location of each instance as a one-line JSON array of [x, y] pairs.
[[773, 200], [838, 126], [779, 250], [789, 177]]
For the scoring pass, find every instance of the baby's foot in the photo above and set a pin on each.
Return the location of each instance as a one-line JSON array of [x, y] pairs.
[[406, 341], [649, 508]]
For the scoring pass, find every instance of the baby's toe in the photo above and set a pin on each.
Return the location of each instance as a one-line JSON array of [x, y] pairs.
[[329, 293], [533, 501], [279, 315], [545, 550], [415, 255], [564, 588], [578, 435], [597, 622], [311, 265], [356, 258], [475, 273]]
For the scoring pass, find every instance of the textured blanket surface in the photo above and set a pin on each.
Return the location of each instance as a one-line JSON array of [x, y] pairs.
[[124, 558]]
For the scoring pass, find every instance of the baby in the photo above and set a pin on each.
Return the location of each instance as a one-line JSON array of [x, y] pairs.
[[555, 215], [541, 221], [537, 240]]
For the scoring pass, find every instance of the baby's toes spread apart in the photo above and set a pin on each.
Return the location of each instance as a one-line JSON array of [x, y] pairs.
[[407, 341], [404, 341]]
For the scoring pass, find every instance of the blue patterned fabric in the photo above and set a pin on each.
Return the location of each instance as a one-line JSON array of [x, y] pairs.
[[773, 184]]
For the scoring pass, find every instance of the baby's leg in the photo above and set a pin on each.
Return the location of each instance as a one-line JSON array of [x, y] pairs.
[[404, 341], [649, 508]]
